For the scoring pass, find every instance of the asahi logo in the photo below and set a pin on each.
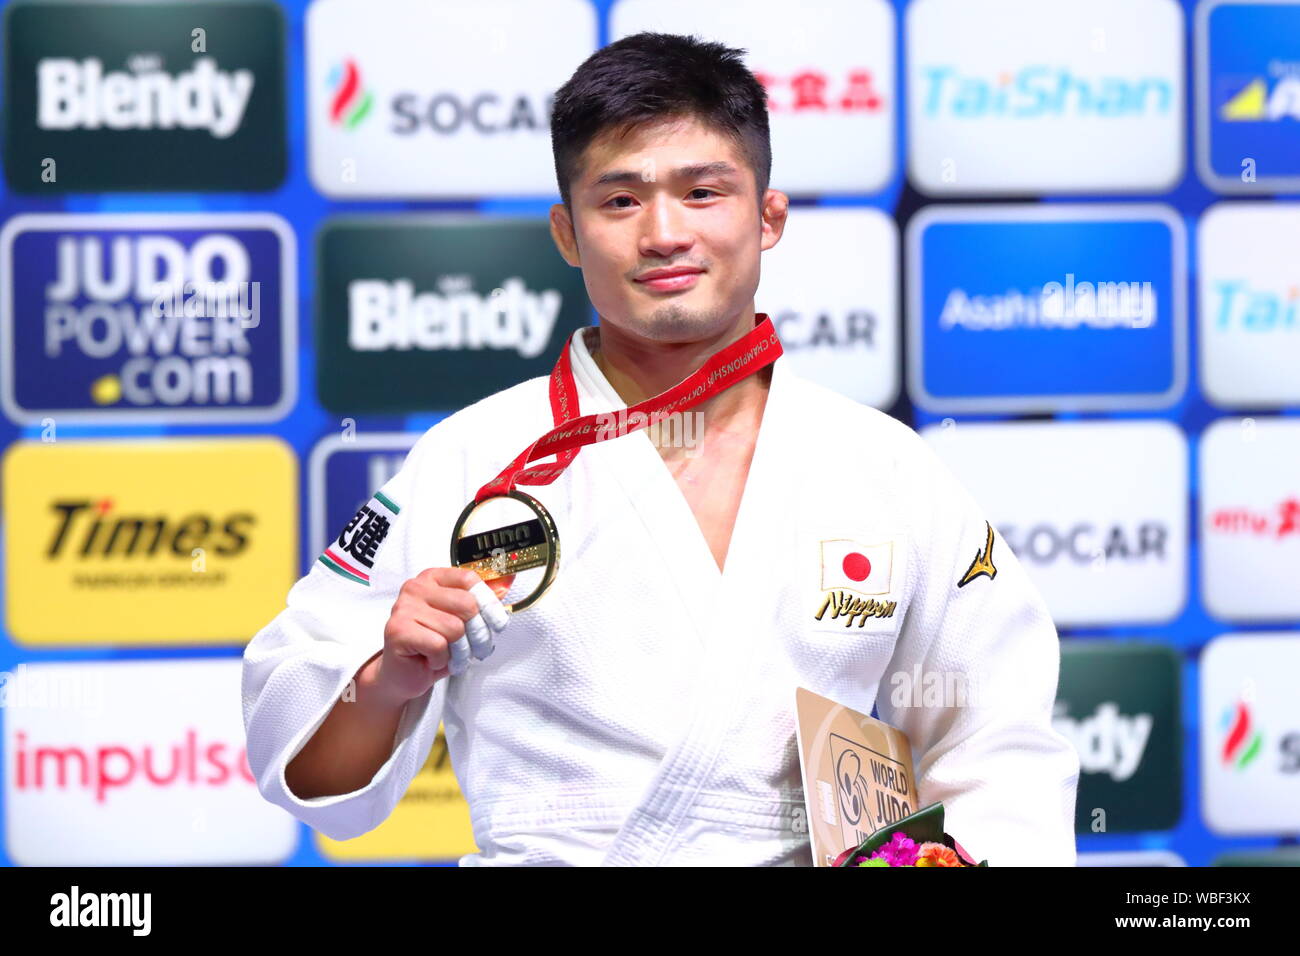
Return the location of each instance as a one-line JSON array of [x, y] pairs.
[[80, 94], [391, 315], [89, 528]]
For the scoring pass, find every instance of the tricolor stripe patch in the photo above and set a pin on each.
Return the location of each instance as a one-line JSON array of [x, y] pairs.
[[343, 568]]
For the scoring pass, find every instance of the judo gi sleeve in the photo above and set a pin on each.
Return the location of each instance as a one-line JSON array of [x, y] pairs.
[[301, 664], [972, 682]]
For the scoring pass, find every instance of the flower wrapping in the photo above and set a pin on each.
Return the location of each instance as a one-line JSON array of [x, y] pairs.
[[915, 840]]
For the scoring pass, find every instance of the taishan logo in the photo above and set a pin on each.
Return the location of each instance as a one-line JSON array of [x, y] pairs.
[[350, 103], [94, 529]]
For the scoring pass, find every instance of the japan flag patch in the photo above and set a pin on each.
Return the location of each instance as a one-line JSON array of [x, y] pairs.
[[853, 566]]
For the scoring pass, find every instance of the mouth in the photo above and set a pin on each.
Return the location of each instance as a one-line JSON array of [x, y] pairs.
[[670, 280]]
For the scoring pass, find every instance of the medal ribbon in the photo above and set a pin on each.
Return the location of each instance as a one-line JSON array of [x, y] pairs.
[[757, 349]]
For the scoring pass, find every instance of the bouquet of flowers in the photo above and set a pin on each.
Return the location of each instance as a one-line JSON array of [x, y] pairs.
[[915, 840]]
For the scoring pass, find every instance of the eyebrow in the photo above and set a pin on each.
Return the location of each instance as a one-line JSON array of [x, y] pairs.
[[692, 171]]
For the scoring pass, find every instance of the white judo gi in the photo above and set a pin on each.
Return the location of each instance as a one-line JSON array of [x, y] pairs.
[[641, 712]]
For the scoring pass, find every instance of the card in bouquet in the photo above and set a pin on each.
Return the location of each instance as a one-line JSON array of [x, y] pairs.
[[857, 774]]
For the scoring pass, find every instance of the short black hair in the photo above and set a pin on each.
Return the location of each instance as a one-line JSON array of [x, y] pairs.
[[650, 76]]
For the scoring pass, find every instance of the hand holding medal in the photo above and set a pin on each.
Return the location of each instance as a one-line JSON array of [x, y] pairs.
[[507, 549]]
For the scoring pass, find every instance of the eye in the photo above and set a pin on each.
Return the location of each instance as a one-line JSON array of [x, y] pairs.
[[616, 199], [705, 189]]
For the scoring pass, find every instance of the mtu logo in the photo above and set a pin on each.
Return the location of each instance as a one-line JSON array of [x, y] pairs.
[[1248, 95], [147, 317], [1016, 309], [1037, 90]]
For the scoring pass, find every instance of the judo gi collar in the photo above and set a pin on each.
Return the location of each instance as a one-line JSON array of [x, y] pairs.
[[530, 544]]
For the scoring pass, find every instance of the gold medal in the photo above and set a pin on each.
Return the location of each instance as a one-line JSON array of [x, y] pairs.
[[510, 548]]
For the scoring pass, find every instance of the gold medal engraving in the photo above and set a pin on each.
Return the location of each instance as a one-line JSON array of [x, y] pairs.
[[509, 549]]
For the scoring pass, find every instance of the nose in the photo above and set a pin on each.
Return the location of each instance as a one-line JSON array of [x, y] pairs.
[[665, 231]]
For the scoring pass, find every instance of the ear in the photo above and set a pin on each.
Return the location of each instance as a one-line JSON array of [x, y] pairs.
[[776, 207], [563, 233]]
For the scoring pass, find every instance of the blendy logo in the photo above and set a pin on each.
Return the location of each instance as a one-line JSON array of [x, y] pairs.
[[1107, 740], [386, 315], [163, 96], [74, 94], [851, 572], [147, 317]]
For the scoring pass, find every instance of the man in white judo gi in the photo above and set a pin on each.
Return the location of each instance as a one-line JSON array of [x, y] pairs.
[[641, 712]]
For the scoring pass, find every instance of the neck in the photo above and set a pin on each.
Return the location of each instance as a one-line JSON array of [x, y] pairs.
[[639, 368]]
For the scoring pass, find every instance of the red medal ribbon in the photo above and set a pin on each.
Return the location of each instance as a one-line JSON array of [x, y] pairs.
[[757, 349]]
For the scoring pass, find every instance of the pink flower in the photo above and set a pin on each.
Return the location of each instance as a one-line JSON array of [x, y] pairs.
[[899, 851]]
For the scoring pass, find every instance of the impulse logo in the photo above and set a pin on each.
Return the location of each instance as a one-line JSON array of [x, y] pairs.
[[1242, 741], [350, 103], [98, 770], [1041, 90]]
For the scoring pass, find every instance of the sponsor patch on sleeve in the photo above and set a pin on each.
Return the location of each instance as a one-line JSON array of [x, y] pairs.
[[352, 554], [982, 565]]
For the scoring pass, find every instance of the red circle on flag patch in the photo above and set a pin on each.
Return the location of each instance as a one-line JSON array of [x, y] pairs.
[[856, 566]]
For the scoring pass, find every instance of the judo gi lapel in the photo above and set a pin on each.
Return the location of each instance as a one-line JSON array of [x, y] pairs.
[[722, 605]]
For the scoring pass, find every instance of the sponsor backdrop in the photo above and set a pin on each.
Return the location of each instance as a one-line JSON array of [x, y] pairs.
[[251, 250]]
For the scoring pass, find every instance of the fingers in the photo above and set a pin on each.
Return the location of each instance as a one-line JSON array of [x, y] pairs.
[[490, 606], [461, 607], [460, 655]]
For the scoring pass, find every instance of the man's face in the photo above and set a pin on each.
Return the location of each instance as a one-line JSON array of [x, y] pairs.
[[671, 195]]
